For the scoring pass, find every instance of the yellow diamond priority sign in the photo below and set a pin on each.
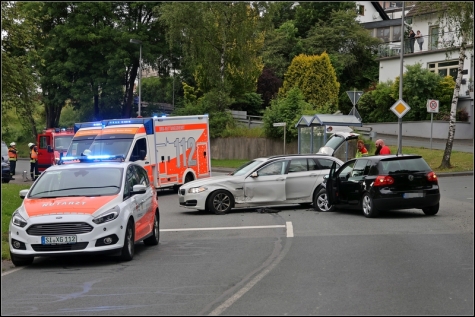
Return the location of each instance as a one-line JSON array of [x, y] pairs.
[[400, 108]]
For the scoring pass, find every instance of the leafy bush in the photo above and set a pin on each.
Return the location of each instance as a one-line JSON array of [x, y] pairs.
[[288, 109]]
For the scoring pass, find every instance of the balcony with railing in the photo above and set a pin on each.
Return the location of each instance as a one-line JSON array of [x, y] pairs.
[[431, 43]]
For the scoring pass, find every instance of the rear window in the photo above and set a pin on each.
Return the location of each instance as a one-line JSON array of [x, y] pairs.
[[404, 165]]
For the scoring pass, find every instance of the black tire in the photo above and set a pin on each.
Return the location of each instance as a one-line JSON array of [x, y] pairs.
[[432, 210], [320, 201], [220, 202], [155, 237], [368, 207], [128, 249], [21, 261]]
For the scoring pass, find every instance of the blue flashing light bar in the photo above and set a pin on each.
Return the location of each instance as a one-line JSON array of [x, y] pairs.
[[147, 122], [90, 158], [78, 126]]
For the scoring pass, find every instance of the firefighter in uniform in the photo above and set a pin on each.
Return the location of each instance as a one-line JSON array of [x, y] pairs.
[[34, 173], [12, 157]]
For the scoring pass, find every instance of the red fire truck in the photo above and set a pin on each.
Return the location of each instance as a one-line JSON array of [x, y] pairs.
[[50, 144]]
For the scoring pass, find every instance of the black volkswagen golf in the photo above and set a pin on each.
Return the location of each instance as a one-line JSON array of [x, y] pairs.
[[377, 183]]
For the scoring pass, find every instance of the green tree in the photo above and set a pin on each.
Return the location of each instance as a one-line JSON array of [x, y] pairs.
[[316, 78], [374, 104], [419, 85], [352, 50], [19, 79], [220, 41], [307, 14], [289, 109], [456, 18]]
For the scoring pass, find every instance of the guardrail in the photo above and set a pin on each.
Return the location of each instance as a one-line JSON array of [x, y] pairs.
[[366, 131], [251, 120]]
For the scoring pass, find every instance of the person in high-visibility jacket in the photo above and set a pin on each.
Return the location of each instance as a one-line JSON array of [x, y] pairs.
[[12, 157], [34, 173]]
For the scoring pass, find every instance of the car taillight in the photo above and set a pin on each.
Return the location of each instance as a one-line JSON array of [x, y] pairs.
[[431, 177], [383, 180]]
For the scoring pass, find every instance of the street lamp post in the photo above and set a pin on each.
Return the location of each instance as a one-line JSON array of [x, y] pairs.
[[140, 74]]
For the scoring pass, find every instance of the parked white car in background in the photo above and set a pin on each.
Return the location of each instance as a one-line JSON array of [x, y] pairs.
[[275, 180]]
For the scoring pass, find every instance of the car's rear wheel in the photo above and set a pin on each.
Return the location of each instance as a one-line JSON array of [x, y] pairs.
[[220, 202], [21, 261], [320, 201], [368, 207], [432, 210], [128, 249], [155, 237]]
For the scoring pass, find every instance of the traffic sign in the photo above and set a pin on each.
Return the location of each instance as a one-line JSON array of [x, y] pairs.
[[354, 96], [432, 106], [400, 108], [280, 124]]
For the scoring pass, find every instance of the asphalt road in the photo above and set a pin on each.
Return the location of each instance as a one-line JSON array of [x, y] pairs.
[[293, 262], [437, 144]]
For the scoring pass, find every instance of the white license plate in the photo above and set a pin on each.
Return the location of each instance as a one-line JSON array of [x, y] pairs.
[[59, 240], [413, 195]]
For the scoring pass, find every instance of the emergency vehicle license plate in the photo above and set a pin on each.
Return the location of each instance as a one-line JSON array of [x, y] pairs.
[[59, 240]]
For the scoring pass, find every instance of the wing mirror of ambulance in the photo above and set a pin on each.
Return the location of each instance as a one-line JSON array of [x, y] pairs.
[[139, 189], [23, 193]]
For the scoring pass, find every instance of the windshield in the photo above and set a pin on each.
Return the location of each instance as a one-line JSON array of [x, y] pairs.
[[78, 146], [111, 147], [246, 168], [335, 141], [93, 181], [61, 143]]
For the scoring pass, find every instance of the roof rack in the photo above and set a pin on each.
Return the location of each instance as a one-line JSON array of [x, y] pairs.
[[91, 158]]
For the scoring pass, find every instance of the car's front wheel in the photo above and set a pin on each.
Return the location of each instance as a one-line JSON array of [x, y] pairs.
[[320, 202], [155, 237], [128, 249], [368, 207], [21, 261], [432, 210], [220, 202]]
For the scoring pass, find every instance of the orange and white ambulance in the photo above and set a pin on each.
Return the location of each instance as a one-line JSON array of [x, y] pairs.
[[84, 135], [173, 150]]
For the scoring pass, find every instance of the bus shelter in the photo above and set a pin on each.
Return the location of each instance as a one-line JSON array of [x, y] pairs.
[[313, 130]]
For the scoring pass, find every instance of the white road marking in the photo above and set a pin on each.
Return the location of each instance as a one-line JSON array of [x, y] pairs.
[[223, 228], [290, 229], [12, 270]]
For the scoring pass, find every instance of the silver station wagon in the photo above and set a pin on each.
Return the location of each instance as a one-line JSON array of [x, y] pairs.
[[267, 181]]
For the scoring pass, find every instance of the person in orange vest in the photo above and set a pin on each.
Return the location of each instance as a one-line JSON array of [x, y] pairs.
[[34, 173], [12, 157]]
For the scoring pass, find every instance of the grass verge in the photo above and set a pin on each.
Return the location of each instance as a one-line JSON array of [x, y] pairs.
[[10, 202]]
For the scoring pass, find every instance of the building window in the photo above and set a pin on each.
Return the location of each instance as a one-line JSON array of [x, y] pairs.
[[434, 38], [383, 34], [360, 10], [396, 33], [449, 68]]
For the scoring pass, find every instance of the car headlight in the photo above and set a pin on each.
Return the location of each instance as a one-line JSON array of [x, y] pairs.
[[107, 216], [17, 219], [196, 190]]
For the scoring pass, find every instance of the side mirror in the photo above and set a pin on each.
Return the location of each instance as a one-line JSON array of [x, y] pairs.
[[139, 189], [326, 177], [23, 193], [49, 149], [254, 174]]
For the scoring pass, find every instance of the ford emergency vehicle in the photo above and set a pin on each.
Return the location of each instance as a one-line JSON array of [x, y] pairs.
[[98, 205], [173, 150], [51, 143]]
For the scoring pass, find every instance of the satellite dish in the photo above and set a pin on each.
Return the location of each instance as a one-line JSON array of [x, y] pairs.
[[375, 15]]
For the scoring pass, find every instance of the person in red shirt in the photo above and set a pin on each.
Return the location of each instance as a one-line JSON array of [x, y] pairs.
[[362, 151], [381, 148]]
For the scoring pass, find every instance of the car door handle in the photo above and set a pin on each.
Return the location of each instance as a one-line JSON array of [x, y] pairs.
[[280, 179], [147, 162], [313, 175]]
